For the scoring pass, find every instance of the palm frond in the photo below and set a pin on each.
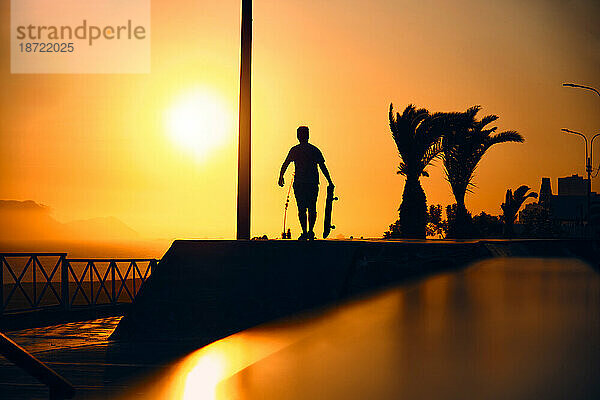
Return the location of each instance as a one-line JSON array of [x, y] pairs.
[[464, 146], [520, 191], [506, 136], [488, 119], [401, 169], [417, 135], [471, 112]]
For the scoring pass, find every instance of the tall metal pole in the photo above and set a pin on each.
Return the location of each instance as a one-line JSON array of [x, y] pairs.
[[591, 161], [588, 165], [588, 169], [245, 116]]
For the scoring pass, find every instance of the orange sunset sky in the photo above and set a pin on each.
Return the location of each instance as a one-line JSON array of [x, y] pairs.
[[95, 145]]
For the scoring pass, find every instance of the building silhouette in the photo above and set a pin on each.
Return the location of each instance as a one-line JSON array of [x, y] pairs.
[[545, 193], [573, 185], [563, 214]]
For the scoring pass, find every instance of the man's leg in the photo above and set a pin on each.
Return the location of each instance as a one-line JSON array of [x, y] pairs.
[[312, 210], [301, 203], [312, 218], [302, 218]]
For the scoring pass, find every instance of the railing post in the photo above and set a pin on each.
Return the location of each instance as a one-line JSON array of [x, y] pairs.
[[133, 267], [64, 283], [113, 266], [92, 302], [34, 262], [1, 285]]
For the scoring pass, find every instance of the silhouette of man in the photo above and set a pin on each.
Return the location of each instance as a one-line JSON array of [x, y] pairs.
[[306, 157]]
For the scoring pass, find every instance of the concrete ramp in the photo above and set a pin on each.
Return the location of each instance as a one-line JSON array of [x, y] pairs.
[[207, 290]]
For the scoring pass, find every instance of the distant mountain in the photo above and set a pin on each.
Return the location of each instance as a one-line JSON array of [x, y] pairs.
[[102, 228], [28, 220]]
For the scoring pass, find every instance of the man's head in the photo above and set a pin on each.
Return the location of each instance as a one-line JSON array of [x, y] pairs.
[[302, 134]]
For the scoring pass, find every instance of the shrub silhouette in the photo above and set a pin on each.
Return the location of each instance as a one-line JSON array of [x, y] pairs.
[[511, 206]]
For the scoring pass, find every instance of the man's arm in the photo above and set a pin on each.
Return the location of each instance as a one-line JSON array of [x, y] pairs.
[[326, 172], [284, 166]]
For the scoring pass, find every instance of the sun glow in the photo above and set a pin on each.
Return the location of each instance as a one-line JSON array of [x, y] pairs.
[[199, 122], [199, 374], [205, 373]]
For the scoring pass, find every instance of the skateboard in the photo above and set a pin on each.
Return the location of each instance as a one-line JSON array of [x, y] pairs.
[[328, 205]]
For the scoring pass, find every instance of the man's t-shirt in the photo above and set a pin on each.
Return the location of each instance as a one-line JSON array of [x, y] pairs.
[[306, 157]]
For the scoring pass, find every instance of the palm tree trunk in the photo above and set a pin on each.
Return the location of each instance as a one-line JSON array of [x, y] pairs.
[[462, 219], [413, 210], [461, 226]]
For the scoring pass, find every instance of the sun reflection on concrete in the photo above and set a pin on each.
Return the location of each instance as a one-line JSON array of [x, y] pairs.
[[203, 371], [198, 375]]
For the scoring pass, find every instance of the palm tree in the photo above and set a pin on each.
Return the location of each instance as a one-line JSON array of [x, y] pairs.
[[463, 149], [511, 206], [417, 134]]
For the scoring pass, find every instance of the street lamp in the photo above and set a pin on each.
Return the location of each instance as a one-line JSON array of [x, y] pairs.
[[576, 85], [588, 164], [588, 160]]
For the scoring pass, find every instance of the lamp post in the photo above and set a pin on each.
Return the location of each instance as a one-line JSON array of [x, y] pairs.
[[588, 160], [576, 85], [245, 120], [588, 164]]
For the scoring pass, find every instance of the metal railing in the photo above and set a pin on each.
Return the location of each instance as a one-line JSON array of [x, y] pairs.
[[31, 281], [58, 386]]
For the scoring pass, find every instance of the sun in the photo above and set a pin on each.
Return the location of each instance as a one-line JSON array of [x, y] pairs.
[[199, 122]]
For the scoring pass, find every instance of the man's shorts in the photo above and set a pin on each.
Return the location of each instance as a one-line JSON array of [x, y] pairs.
[[306, 195]]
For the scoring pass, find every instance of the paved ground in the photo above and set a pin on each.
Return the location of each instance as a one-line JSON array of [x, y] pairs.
[[68, 348], [502, 328]]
